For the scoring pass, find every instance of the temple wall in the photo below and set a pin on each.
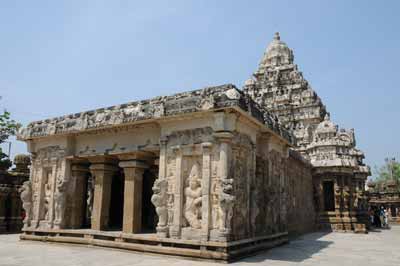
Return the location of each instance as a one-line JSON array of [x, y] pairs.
[[11, 212], [219, 179], [301, 209]]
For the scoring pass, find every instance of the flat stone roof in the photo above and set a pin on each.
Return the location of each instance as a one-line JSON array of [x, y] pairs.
[[205, 99]]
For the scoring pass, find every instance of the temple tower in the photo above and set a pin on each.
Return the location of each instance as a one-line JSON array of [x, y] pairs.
[[339, 173], [279, 87]]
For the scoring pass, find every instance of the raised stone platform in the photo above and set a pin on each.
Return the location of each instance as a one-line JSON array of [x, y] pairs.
[[216, 251]]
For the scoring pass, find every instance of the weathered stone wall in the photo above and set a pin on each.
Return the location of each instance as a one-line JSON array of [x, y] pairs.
[[301, 204], [11, 212]]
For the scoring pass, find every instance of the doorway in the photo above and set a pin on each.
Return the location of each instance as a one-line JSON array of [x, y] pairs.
[[329, 196], [116, 202], [149, 216]]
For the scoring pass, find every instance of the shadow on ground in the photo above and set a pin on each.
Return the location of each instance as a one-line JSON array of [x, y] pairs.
[[297, 250]]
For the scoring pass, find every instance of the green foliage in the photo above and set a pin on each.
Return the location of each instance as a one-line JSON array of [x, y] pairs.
[[389, 171], [8, 127]]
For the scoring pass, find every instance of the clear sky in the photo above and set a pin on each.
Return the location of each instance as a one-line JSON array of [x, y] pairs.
[[60, 57]]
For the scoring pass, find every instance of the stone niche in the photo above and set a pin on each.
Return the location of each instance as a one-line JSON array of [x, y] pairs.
[[45, 195], [189, 164]]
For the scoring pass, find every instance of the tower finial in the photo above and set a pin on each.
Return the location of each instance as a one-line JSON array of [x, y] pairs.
[[277, 36]]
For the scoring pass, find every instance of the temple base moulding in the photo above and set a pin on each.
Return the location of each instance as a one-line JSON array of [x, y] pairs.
[[151, 243]]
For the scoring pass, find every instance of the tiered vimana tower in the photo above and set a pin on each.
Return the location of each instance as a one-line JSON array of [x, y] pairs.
[[339, 173], [279, 87]]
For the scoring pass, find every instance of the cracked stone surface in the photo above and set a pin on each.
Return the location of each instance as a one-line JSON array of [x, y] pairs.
[[376, 248]]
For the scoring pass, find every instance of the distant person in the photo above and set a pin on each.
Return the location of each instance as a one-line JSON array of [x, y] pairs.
[[377, 219], [386, 218], [371, 216], [382, 216]]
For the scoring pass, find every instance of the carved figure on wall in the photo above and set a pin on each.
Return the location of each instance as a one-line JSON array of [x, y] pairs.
[[226, 201], [356, 201], [26, 197], [89, 199], [215, 214], [60, 200], [47, 196], [159, 200], [346, 197], [192, 208], [337, 197]]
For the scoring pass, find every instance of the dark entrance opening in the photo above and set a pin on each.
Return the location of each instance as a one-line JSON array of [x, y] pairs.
[[393, 211], [149, 216], [117, 202], [329, 196]]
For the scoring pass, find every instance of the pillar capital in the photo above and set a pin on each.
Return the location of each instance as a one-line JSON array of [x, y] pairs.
[[224, 136], [164, 140], [206, 146], [133, 164], [101, 167]]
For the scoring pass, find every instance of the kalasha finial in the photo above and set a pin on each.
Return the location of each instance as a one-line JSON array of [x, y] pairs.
[[277, 36]]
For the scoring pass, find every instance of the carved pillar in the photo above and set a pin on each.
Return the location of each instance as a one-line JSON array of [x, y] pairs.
[[226, 198], [162, 165], [52, 189], [103, 171], [132, 220], [205, 186], [338, 193], [79, 188], [38, 196], [224, 153], [159, 198], [175, 231]]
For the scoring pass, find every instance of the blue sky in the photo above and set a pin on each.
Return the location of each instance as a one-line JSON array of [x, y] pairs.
[[59, 57]]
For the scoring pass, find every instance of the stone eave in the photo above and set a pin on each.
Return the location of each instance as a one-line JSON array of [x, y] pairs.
[[334, 169], [156, 109], [263, 127]]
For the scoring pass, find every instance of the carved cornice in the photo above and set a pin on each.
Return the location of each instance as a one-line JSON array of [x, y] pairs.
[[124, 116]]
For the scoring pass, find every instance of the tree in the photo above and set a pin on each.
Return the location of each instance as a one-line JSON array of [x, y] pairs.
[[389, 171], [8, 127]]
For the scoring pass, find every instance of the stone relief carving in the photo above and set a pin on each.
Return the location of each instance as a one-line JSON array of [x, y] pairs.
[[192, 136], [47, 195], [193, 199], [171, 167], [90, 198], [338, 199], [240, 173], [60, 200], [159, 200], [194, 101], [225, 210], [26, 197]]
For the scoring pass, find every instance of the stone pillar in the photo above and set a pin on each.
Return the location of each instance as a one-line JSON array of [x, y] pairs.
[[53, 189], [159, 198], [162, 162], [102, 171], [225, 155], [175, 231], [205, 186], [132, 220], [79, 183]]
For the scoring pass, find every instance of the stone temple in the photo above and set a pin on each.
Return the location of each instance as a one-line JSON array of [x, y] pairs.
[[216, 173]]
